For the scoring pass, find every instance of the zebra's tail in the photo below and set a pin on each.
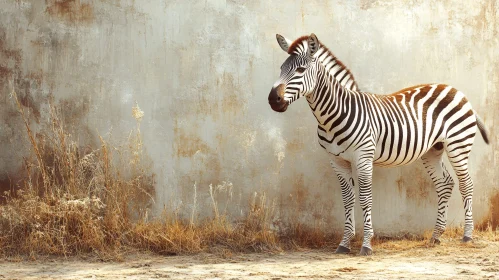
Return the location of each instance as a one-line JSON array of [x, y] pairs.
[[482, 128]]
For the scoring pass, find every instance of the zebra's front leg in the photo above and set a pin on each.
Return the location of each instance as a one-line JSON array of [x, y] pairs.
[[343, 171], [365, 173]]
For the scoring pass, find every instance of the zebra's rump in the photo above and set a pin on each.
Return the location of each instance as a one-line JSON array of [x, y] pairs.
[[410, 122]]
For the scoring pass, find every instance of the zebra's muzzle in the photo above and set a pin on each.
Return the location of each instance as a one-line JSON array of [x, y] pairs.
[[276, 99], [280, 109]]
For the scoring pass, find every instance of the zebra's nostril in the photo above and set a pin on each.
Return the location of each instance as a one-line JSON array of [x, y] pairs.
[[278, 99]]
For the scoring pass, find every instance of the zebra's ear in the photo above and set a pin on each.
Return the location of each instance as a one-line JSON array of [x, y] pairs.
[[313, 44], [283, 42]]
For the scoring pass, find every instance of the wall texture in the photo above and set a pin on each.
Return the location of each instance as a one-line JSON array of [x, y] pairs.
[[201, 71]]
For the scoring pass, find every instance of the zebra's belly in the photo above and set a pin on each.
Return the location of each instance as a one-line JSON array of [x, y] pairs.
[[392, 157], [384, 163], [389, 156]]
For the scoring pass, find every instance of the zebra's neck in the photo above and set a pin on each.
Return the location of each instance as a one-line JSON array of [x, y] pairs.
[[329, 98], [335, 68]]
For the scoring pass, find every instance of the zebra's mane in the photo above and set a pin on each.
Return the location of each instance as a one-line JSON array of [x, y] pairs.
[[300, 45], [294, 46]]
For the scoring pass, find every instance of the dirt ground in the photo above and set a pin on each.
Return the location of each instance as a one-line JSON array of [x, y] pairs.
[[392, 260]]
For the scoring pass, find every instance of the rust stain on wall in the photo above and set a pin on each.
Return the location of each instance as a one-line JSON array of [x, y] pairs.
[[400, 184], [201, 104], [416, 183], [484, 21], [71, 11], [10, 71], [295, 145], [299, 193], [492, 219], [204, 106], [26, 98], [232, 101], [74, 109], [212, 163], [10, 60], [187, 143], [73, 113]]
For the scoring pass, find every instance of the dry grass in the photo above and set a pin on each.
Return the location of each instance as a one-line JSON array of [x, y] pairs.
[[73, 200], [76, 201], [171, 235]]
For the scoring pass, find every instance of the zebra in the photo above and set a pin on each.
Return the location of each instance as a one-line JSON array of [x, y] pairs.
[[361, 129]]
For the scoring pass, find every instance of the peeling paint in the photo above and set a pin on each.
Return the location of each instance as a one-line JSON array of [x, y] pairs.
[[71, 11]]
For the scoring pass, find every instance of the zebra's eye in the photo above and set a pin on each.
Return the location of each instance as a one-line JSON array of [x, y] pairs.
[[300, 70]]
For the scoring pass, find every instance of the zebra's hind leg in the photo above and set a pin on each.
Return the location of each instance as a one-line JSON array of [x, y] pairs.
[[343, 170], [444, 184], [458, 152]]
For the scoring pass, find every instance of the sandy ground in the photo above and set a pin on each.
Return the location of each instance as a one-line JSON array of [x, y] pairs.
[[392, 260]]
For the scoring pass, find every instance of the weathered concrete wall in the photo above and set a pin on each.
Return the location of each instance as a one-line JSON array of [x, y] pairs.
[[201, 72]]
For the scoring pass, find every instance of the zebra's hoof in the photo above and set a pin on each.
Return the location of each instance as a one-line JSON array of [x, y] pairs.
[[364, 251], [434, 241], [467, 239], [342, 250]]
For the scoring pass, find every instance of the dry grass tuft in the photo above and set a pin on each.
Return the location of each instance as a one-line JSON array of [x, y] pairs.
[[76, 201], [73, 200]]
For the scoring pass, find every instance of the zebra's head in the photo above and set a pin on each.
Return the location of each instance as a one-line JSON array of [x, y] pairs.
[[298, 73]]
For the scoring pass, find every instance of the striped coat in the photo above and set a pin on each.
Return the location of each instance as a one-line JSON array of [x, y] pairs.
[[360, 130]]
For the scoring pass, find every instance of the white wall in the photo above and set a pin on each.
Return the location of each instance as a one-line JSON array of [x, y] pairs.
[[201, 71]]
